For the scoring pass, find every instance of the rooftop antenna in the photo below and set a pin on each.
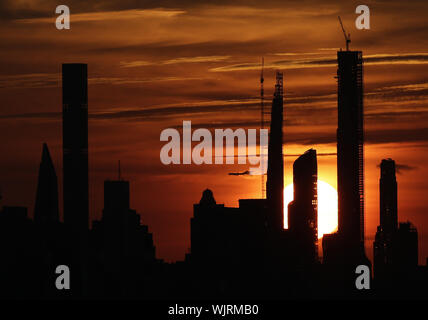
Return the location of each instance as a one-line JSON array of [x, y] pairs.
[[347, 37], [119, 171], [262, 125]]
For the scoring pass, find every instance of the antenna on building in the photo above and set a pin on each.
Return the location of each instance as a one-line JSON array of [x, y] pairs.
[[347, 37], [0, 200], [119, 171], [262, 125]]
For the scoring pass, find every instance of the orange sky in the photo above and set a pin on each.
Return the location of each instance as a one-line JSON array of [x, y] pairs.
[[150, 68]]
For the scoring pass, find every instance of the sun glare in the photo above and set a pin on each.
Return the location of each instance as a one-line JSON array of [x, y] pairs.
[[327, 207]]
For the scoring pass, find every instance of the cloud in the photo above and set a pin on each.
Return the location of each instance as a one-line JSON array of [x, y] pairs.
[[399, 168], [239, 173], [133, 64], [384, 104], [169, 47], [112, 15], [138, 114], [28, 9], [31, 80], [372, 136], [35, 115], [44, 10], [409, 58], [199, 59], [403, 167], [48, 80], [135, 81]]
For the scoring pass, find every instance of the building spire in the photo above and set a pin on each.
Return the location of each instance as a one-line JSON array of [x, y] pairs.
[[46, 206], [275, 171]]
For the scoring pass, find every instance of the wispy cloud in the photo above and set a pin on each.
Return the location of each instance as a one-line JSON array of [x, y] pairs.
[[404, 167], [133, 64], [30, 80], [409, 58], [399, 167], [196, 59], [148, 113], [199, 59], [48, 80], [113, 15]]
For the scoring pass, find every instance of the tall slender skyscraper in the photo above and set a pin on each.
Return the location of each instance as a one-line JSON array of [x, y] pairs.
[[350, 156], [383, 246], [46, 206], [275, 171], [75, 146], [388, 197], [396, 244], [302, 211]]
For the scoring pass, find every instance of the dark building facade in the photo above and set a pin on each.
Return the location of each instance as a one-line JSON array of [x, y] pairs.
[[386, 231], [213, 235], [46, 205], [406, 246], [395, 249], [275, 171], [219, 233], [123, 248], [388, 197], [350, 154], [75, 146], [303, 210], [22, 268], [229, 244]]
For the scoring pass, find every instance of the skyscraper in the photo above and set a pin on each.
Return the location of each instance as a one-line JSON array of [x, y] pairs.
[[383, 244], [388, 197], [75, 146], [214, 232], [302, 211], [126, 250], [275, 171], [46, 206], [396, 245], [350, 155]]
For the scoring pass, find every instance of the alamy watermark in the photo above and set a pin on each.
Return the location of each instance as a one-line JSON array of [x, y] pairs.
[[63, 20], [202, 153]]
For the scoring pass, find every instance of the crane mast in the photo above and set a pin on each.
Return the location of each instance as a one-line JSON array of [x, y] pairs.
[[262, 125]]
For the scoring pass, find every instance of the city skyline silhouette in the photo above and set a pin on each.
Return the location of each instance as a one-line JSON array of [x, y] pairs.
[[355, 121], [117, 256]]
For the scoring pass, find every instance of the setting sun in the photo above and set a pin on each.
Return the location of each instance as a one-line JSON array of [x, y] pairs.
[[327, 207]]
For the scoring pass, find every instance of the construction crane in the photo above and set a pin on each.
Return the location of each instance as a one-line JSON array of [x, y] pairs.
[[119, 171], [347, 37], [262, 125]]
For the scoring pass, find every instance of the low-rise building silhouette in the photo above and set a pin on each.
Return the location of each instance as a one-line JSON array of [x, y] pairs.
[[122, 247]]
